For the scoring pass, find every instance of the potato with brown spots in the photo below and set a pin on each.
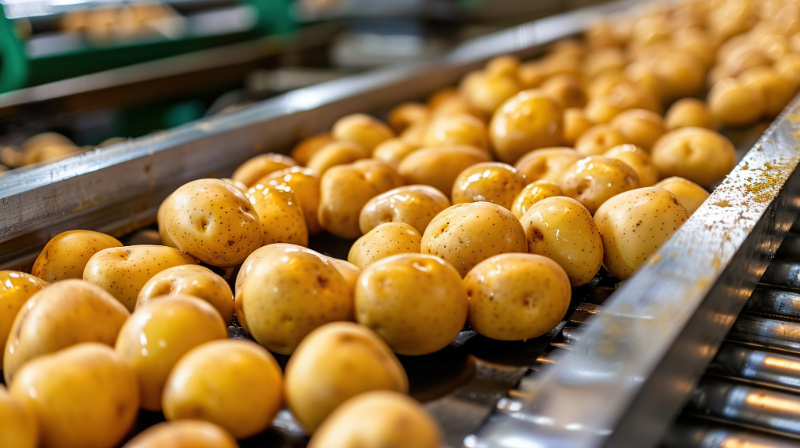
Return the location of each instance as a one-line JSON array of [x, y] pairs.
[[529, 120], [546, 164], [66, 254], [15, 289], [383, 241], [697, 154], [333, 364], [494, 182], [515, 297], [336, 153], [596, 179], [361, 129], [82, 396], [190, 280], [439, 167], [183, 434], [561, 229], [533, 193], [415, 205], [639, 127], [599, 139], [63, 314], [634, 225], [305, 184], [303, 151], [414, 302], [456, 130], [393, 151], [689, 112], [259, 166], [466, 234], [688, 193], [18, 427], [638, 159], [123, 271], [280, 214]]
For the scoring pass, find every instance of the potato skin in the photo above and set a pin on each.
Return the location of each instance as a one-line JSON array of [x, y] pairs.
[[439, 167], [236, 384], [515, 297], [414, 302], [303, 151], [336, 153], [280, 213], [387, 239], [259, 166], [489, 181], [18, 427], [415, 205], [393, 151], [334, 363], [688, 112], [385, 419], [595, 179], [466, 234], [66, 254], [213, 221], [166, 240], [634, 225], [533, 193], [688, 193], [456, 130], [63, 314], [639, 127], [561, 229], [183, 434], [528, 120], [697, 154], [191, 280], [733, 103], [547, 163], [638, 159], [305, 184], [158, 334], [83, 396], [598, 139], [123, 271], [15, 289], [361, 129]]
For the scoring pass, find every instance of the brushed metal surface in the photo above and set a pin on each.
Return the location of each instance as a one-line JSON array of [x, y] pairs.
[[702, 436]]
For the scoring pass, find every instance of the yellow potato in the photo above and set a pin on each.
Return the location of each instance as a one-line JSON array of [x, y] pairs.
[[529, 120], [191, 280], [681, 74], [698, 154], [347, 188], [506, 65], [547, 163], [348, 271], [18, 427], [159, 333], [63, 314], [15, 289], [414, 302], [532, 74], [638, 159], [563, 230], [494, 182], [593, 180], [213, 221], [515, 297], [66, 254], [688, 193], [575, 124], [697, 43], [639, 127], [776, 90], [235, 183], [336, 153], [689, 112], [393, 151], [485, 93], [123, 271], [567, 89], [415, 205], [82, 396], [384, 419], [533, 193], [456, 130], [383, 241], [361, 129], [403, 116], [183, 434], [162, 228], [333, 364], [439, 167], [733, 103], [259, 166], [280, 214], [789, 68], [235, 384], [599, 139], [285, 297], [609, 59], [448, 102], [466, 234], [304, 183], [303, 151], [603, 109]]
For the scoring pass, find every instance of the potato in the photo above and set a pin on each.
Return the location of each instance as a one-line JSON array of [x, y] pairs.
[[563, 230], [347, 188], [66, 254], [15, 289], [305, 184], [348, 271], [161, 223], [393, 151], [634, 225], [235, 384], [609, 59], [789, 68], [485, 93], [599, 139], [303, 151], [567, 89], [638, 159], [529, 120], [159, 333], [439, 167], [280, 214], [82, 396], [285, 297], [533, 193], [63, 314], [456, 130], [384, 419], [688, 193], [415, 205], [449, 103], [698, 154], [681, 74], [516, 297], [466, 234], [414, 302], [546, 164], [361, 129], [18, 427], [697, 43], [595, 179], [336, 153], [213, 221], [383, 241], [532, 74], [688, 112], [235, 183], [494, 182], [575, 124], [403, 116], [776, 90], [603, 109], [333, 364], [639, 127], [506, 65], [183, 434], [259, 166], [123, 271], [190, 280], [733, 103]]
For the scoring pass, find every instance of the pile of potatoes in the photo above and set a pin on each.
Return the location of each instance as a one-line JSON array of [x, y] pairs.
[[484, 205]]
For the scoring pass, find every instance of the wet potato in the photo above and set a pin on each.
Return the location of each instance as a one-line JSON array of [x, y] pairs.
[[190, 280], [697, 154], [456, 130], [280, 213], [66, 254], [383, 241], [303, 151], [15, 289], [183, 434], [259, 166], [336, 153], [305, 185], [533, 193], [594, 180], [688, 193], [393, 151], [403, 116], [18, 427], [639, 127], [415, 205], [439, 167], [638, 159], [546, 164], [599, 139], [688, 112], [361, 129], [529, 120]]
